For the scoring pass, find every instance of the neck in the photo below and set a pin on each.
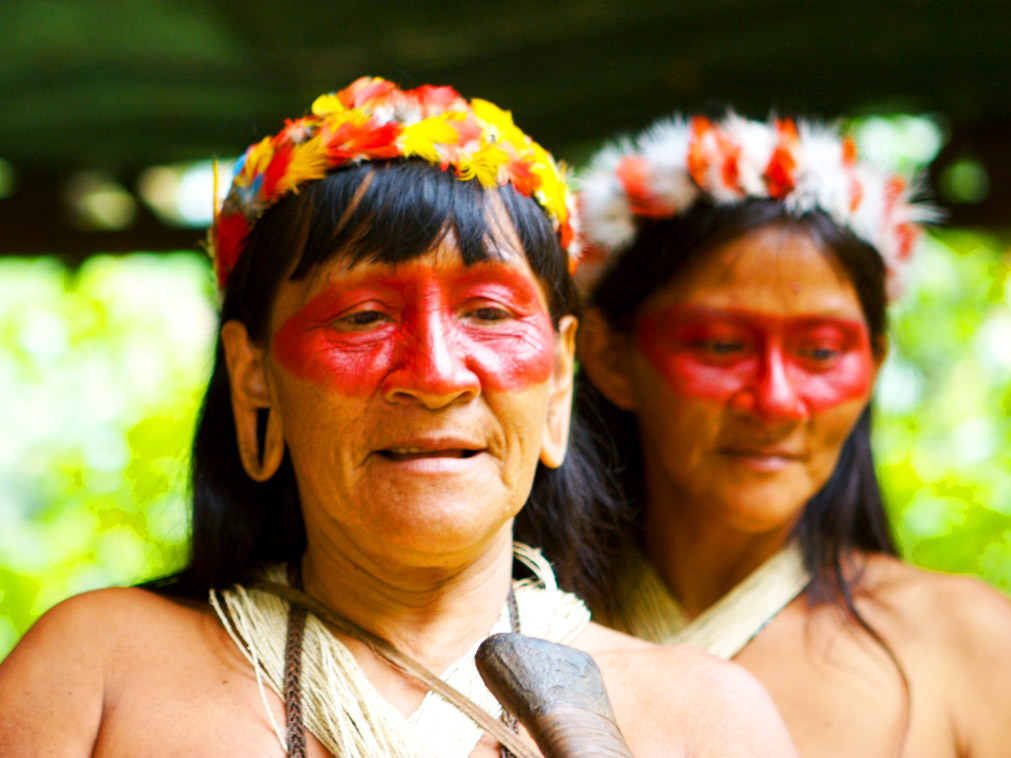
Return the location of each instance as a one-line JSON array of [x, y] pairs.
[[432, 610], [700, 559]]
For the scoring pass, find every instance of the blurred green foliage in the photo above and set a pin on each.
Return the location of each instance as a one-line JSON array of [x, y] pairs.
[[102, 370], [943, 435], [101, 373]]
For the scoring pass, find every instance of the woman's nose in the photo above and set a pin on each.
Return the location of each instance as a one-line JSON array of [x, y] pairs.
[[433, 366], [773, 392]]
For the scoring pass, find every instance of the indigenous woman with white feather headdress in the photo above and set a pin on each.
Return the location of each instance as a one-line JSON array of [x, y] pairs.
[[392, 385], [737, 274]]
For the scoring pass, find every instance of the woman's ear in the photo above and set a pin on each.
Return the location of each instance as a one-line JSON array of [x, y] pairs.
[[250, 398], [603, 354], [556, 431]]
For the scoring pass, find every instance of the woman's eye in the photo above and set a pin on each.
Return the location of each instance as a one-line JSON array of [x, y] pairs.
[[726, 348], [362, 319], [820, 353], [489, 313], [720, 348]]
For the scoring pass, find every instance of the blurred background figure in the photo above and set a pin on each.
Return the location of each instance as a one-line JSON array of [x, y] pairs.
[[111, 110], [738, 274]]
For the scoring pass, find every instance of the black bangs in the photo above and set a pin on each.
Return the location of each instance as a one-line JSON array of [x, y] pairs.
[[389, 212], [394, 212]]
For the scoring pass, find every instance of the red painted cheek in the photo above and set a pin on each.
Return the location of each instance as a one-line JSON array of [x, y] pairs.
[[325, 356], [518, 355], [849, 379], [664, 347], [516, 352]]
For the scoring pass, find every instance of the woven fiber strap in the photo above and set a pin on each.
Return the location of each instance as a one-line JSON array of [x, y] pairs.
[[651, 612], [295, 731]]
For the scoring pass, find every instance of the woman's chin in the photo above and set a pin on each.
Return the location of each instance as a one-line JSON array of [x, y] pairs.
[[414, 531], [761, 508]]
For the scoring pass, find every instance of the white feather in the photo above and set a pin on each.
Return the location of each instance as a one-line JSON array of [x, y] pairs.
[[606, 217], [854, 196], [665, 148]]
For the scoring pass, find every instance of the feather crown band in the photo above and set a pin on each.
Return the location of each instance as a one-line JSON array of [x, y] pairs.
[[804, 165], [373, 120]]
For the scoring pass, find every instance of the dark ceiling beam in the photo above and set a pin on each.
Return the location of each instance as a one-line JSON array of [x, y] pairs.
[[119, 86], [36, 222]]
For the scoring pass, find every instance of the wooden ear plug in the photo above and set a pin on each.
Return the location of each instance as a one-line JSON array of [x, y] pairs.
[[556, 692]]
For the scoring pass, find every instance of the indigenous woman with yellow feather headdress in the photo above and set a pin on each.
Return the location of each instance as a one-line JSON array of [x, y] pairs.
[[392, 384]]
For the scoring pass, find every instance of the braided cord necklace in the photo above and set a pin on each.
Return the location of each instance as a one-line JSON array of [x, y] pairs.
[[300, 604]]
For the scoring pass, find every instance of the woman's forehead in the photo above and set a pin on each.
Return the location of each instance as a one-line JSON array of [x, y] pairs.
[[769, 270]]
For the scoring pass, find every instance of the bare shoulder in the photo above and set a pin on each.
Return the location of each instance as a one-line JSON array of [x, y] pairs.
[[963, 610], [95, 628], [951, 633], [629, 659], [56, 683], [596, 639], [659, 691]]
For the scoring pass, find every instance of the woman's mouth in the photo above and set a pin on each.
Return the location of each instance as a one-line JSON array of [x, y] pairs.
[[412, 454], [759, 459]]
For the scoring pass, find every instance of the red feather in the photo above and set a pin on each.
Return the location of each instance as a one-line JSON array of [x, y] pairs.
[[849, 152], [467, 128], [779, 174], [365, 89], [275, 170], [230, 234], [856, 194], [633, 173], [436, 100], [906, 234], [521, 177], [698, 165], [350, 140]]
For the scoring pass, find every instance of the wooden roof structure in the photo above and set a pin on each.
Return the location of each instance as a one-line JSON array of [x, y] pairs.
[[120, 85]]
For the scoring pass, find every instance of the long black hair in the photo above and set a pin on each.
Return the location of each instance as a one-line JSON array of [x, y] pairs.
[[388, 212], [847, 515]]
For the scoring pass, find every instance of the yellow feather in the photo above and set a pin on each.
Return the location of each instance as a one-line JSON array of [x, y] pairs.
[[492, 114], [327, 105], [308, 163], [420, 139], [257, 160], [486, 163]]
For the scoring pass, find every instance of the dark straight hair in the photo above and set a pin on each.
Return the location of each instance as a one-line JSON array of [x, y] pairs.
[[847, 514], [389, 212]]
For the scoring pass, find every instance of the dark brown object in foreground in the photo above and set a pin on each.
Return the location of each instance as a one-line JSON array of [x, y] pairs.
[[556, 692]]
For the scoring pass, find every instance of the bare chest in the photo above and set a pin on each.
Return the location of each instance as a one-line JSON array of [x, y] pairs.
[[841, 694], [189, 704], [198, 702]]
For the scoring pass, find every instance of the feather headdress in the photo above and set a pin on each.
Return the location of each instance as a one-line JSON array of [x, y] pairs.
[[374, 120], [804, 165]]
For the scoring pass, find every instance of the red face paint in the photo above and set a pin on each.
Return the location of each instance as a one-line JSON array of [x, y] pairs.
[[773, 365], [439, 329]]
